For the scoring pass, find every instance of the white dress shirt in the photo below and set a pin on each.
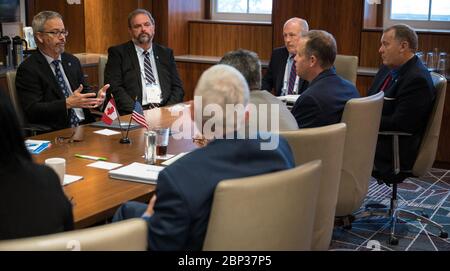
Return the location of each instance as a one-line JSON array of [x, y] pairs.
[[149, 91]]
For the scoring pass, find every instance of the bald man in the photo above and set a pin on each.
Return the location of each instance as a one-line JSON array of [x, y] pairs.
[[281, 75]]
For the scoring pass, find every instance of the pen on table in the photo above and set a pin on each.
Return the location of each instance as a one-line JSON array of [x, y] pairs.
[[91, 157]]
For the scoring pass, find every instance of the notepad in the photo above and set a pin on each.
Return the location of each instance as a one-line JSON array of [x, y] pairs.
[[173, 159], [137, 172], [36, 146], [289, 99]]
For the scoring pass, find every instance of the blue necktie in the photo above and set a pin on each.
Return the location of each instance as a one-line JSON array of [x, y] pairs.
[[292, 77], [74, 121]]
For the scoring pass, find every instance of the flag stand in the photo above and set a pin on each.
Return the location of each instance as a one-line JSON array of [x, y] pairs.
[[126, 140]]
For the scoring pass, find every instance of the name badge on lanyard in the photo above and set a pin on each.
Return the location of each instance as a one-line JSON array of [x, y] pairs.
[[153, 93]]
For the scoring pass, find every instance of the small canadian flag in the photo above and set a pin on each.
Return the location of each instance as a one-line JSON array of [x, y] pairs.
[[110, 113]]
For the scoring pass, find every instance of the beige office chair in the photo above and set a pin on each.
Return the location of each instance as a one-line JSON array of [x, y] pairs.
[[29, 128], [273, 211], [424, 161], [362, 116], [101, 69], [327, 144], [347, 67], [124, 235]]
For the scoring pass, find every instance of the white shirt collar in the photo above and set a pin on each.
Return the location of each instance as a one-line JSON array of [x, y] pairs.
[[49, 58], [141, 51]]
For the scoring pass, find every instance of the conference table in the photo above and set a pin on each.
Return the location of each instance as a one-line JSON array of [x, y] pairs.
[[96, 197]]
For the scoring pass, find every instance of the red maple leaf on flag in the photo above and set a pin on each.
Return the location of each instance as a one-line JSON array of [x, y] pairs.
[[110, 110]]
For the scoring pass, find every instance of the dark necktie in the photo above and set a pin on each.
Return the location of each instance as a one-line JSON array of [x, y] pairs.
[[292, 77], [74, 121], [149, 77], [386, 83]]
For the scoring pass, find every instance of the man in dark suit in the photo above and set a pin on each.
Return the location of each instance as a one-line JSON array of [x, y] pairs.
[[50, 84], [408, 97], [323, 102], [143, 70], [178, 215], [281, 74]]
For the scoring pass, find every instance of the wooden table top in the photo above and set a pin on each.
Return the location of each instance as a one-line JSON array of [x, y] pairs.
[[96, 197]]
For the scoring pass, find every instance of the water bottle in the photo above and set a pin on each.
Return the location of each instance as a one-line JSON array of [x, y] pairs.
[[150, 147]]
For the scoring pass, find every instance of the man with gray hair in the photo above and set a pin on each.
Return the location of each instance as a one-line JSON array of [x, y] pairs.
[[141, 69], [177, 215], [323, 102], [281, 75], [408, 96], [50, 83], [267, 113]]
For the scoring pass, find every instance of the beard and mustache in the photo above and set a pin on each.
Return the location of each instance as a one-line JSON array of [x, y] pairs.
[[144, 38]]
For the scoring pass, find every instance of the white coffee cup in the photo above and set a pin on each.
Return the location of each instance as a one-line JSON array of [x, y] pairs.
[[59, 166]]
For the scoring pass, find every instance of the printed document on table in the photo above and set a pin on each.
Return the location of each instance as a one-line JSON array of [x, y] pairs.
[[137, 172]]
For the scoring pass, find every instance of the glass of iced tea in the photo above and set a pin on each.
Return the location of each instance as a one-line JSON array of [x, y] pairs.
[[162, 140]]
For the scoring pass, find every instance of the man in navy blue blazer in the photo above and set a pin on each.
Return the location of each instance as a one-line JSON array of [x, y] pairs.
[[323, 102], [281, 75], [408, 96], [178, 214]]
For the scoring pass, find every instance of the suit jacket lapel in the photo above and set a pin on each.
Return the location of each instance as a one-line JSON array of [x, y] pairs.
[[69, 71], [136, 67], [49, 75], [161, 73]]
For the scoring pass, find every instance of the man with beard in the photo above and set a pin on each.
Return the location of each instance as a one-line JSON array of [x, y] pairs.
[[143, 70], [50, 83]]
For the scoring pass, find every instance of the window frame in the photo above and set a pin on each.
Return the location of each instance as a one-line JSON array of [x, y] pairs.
[[229, 16], [434, 25]]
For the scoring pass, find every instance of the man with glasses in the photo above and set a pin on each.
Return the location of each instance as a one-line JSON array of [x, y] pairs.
[[50, 83], [141, 69]]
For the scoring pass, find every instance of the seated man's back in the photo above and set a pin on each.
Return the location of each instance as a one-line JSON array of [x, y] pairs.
[[185, 189]]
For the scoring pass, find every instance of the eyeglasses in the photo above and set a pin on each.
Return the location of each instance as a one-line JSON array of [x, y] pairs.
[[57, 33]]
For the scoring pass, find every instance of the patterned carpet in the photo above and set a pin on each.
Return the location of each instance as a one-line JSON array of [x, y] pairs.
[[430, 194]]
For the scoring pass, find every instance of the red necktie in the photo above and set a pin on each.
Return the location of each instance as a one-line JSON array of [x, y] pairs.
[[386, 82]]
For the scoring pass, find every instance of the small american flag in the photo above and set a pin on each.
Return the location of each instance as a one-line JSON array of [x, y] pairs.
[[138, 115]]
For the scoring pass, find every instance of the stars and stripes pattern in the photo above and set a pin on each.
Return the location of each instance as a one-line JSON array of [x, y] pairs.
[[138, 115]]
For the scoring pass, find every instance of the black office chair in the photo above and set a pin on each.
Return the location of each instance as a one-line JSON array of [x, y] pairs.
[[30, 129], [423, 163]]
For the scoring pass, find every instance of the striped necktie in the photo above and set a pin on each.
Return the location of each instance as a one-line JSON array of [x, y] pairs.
[[74, 121], [149, 77], [292, 77]]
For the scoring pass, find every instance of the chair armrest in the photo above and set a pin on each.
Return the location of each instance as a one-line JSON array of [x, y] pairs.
[[395, 147], [35, 129], [394, 133]]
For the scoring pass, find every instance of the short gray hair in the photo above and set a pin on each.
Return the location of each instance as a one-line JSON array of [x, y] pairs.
[[301, 22], [41, 18], [248, 63], [403, 32], [322, 45], [222, 85], [137, 12]]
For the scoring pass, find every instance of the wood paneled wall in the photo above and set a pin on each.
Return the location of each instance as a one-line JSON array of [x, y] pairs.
[[216, 38], [107, 23], [172, 19], [74, 20], [370, 43], [343, 19]]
